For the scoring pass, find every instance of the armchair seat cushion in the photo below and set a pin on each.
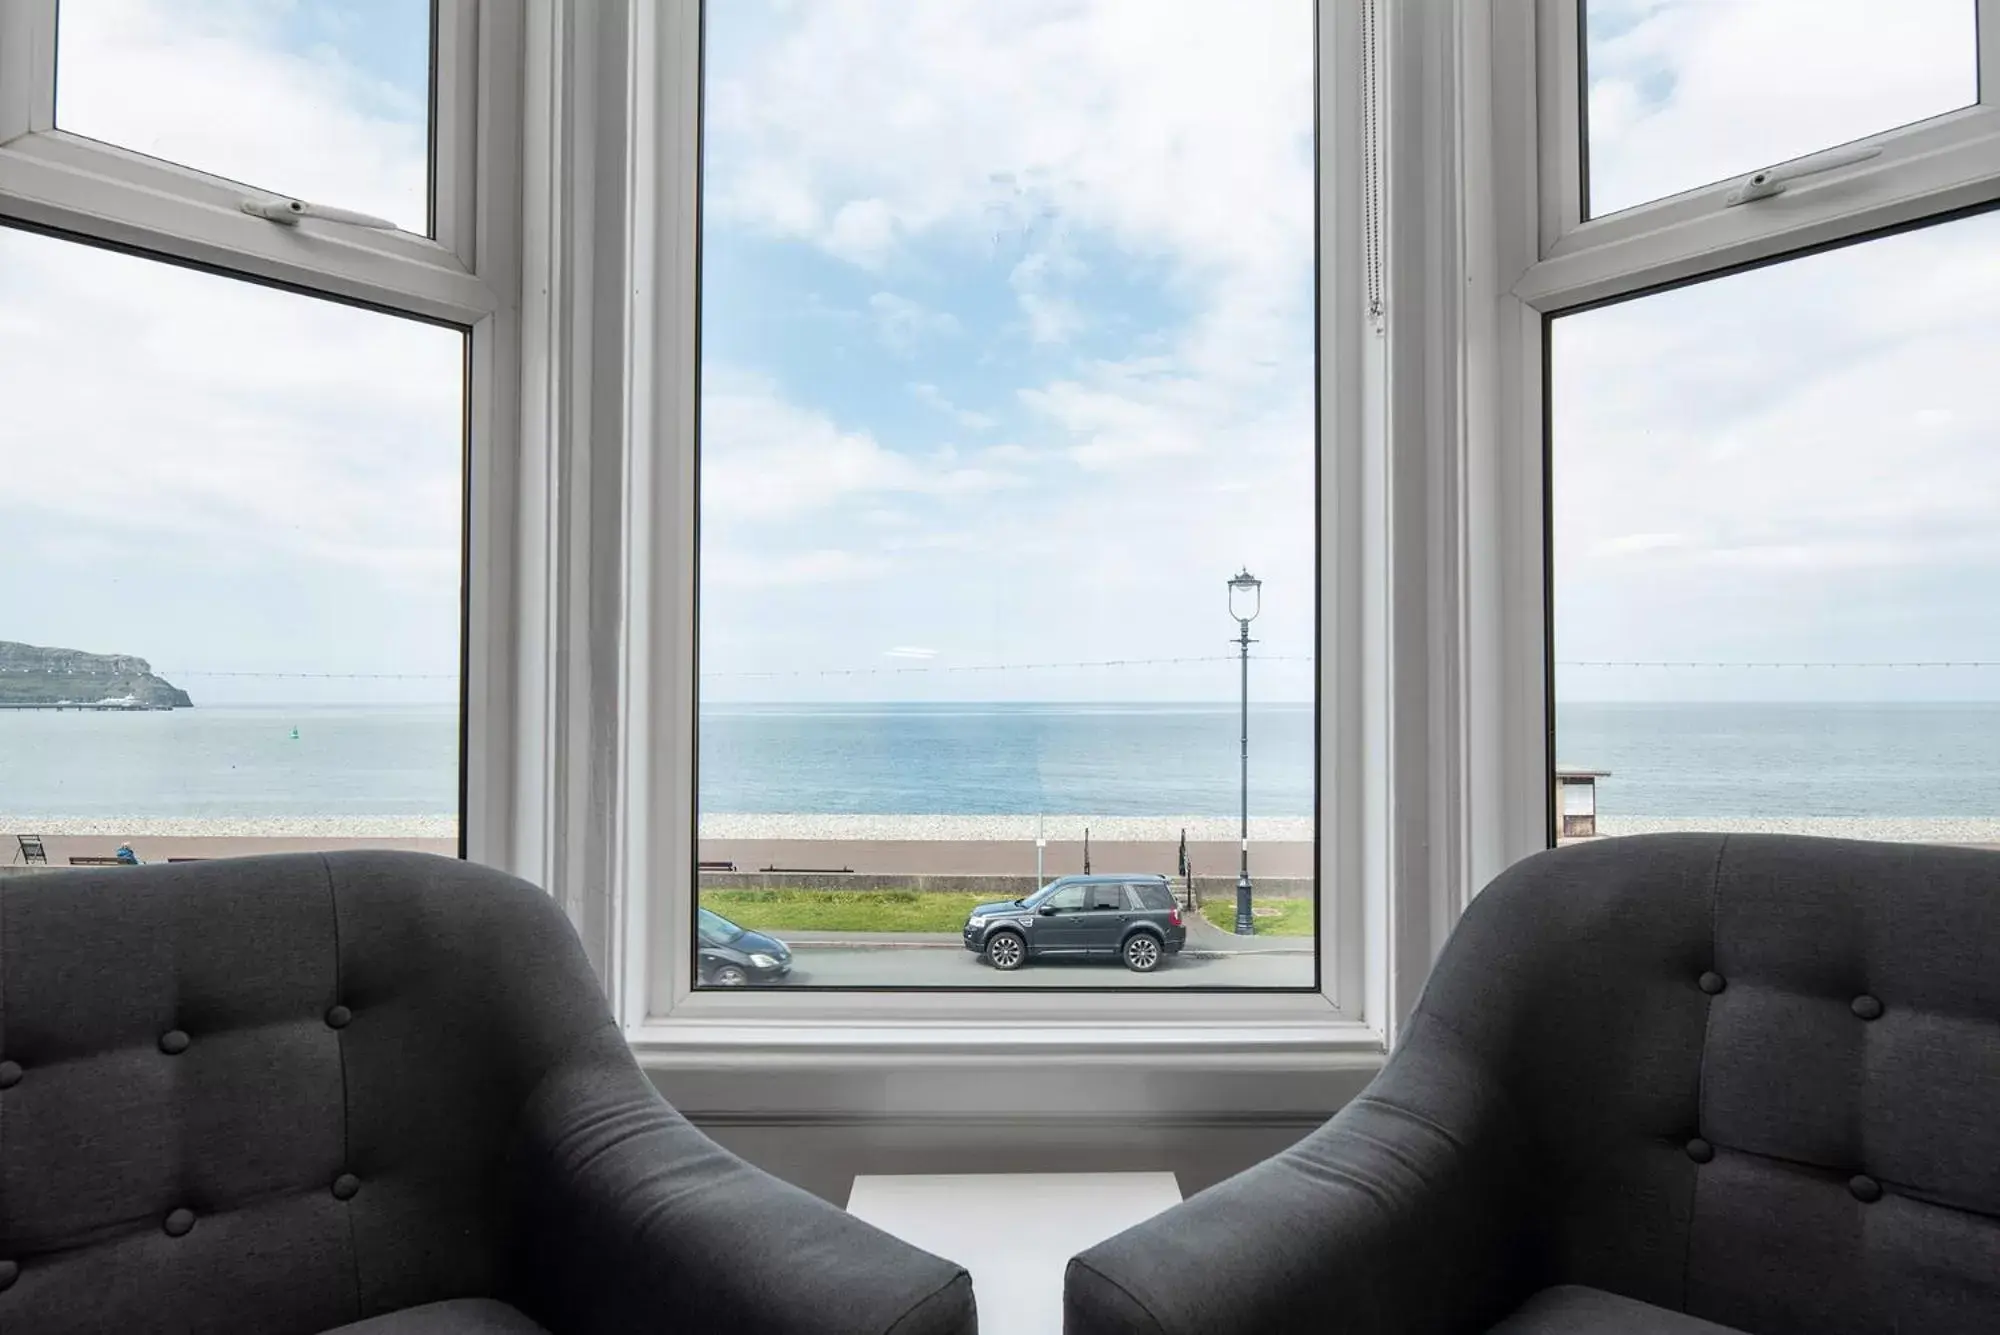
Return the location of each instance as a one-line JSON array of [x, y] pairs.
[[457, 1316], [1575, 1309]]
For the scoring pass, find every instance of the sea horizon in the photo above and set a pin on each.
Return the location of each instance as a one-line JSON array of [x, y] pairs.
[[1668, 761]]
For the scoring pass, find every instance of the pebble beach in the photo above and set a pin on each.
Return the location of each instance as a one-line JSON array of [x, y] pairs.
[[970, 829]]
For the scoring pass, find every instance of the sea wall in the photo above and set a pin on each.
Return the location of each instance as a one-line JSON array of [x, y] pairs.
[[1206, 888]]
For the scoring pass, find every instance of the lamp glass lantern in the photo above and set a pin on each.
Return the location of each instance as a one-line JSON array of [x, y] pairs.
[[1246, 596]]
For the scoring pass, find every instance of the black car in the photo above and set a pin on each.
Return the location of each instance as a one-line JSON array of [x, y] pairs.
[[1130, 918], [733, 956]]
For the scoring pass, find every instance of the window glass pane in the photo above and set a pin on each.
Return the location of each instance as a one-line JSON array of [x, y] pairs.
[[1684, 93], [324, 100], [1008, 367], [1775, 550], [244, 504]]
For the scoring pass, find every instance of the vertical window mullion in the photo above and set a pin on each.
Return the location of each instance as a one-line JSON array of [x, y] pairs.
[[656, 821], [455, 102], [1989, 53], [1350, 190], [1560, 141], [27, 68]]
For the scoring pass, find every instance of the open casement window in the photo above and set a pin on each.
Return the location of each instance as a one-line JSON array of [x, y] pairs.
[[1676, 137], [1742, 297], [261, 277]]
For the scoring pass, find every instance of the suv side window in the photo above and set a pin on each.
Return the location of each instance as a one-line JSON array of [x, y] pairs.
[[1067, 900], [1111, 897], [1151, 896]]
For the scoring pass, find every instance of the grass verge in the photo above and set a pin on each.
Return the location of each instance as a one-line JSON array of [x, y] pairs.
[[1274, 917], [843, 910]]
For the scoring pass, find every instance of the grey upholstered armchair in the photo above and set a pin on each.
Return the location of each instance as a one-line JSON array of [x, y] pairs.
[[1676, 1085], [282, 1095]]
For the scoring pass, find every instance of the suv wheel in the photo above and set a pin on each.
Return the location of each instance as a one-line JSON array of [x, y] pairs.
[[1142, 952], [1006, 951]]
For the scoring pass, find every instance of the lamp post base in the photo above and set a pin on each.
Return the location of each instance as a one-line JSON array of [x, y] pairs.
[[1245, 924]]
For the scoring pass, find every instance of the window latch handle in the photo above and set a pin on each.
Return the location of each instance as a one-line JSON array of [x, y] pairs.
[[287, 212], [1773, 180]]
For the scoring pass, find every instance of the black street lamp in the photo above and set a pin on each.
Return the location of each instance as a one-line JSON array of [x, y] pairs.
[[1246, 598]]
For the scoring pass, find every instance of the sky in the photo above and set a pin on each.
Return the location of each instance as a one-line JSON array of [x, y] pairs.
[[1007, 347], [1795, 463], [1007, 359], [210, 474]]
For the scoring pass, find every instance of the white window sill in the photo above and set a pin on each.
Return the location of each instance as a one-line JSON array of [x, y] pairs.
[[1205, 1045], [1295, 1068], [786, 1071]]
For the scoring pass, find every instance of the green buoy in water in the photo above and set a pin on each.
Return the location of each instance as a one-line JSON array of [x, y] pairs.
[[295, 734]]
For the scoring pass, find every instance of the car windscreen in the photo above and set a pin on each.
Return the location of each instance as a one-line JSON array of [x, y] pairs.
[[716, 929]]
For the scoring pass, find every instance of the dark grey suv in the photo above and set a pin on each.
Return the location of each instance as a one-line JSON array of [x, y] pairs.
[[1130, 918]]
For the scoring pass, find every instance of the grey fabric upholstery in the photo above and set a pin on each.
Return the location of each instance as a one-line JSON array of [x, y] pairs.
[[277, 1095], [1571, 1309], [1751, 1079], [455, 1316]]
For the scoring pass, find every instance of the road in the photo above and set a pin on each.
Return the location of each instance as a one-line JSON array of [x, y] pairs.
[[822, 966]]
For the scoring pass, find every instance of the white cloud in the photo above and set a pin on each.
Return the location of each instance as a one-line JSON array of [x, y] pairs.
[[1790, 462], [1053, 129], [201, 410], [208, 84], [1150, 121], [907, 327], [1686, 93], [910, 652], [1626, 544], [1036, 280], [936, 398], [764, 458], [740, 569], [863, 232]]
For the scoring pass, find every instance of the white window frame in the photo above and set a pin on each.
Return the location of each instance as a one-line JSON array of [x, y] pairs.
[[1530, 257], [564, 161], [1397, 851], [469, 276]]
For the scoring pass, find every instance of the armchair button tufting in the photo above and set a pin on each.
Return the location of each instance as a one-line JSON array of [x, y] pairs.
[[345, 1186], [1867, 1007], [9, 1272], [179, 1223], [174, 1042], [338, 1017], [10, 1074], [1711, 982], [1865, 1188], [1700, 1150]]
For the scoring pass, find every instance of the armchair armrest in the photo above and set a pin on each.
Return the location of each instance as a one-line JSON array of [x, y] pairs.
[[634, 1221], [1404, 1215]]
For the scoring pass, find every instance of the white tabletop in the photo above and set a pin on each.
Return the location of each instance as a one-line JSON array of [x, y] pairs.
[[1014, 1231]]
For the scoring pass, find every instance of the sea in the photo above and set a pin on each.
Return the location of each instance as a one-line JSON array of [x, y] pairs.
[[1665, 760]]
